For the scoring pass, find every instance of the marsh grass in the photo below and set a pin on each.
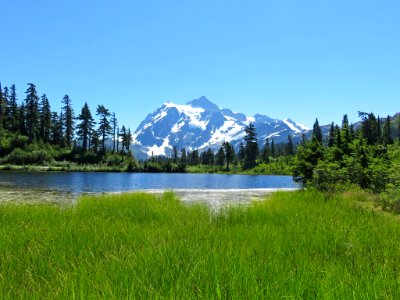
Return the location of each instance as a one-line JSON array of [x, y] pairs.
[[300, 244]]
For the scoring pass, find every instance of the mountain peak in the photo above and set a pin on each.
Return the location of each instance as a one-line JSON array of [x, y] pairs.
[[204, 103]]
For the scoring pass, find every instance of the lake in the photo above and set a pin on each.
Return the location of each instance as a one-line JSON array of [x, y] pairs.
[[64, 187], [81, 182]]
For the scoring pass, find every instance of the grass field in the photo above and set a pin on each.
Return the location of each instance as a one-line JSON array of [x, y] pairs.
[[299, 244]]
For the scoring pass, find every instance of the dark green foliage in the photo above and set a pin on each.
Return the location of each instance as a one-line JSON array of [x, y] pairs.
[[273, 152], [331, 138], [45, 119], [308, 157], [68, 120], [32, 112], [220, 157], [266, 151], [114, 123], [229, 154], [289, 146], [387, 132], [85, 127], [251, 147], [30, 130], [105, 128], [13, 116], [317, 133]]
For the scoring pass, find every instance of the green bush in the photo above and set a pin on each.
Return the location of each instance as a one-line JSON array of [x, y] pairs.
[[21, 157]]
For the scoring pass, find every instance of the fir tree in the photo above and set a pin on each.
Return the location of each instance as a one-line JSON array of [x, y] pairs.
[[13, 115], [242, 152], [32, 112], [273, 152], [85, 127], [68, 120], [251, 147], [4, 108], [289, 146], [317, 133], [387, 132], [331, 138], [45, 119], [175, 154], [56, 129], [266, 151], [114, 123], [221, 157], [183, 160], [105, 128], [229, 153]]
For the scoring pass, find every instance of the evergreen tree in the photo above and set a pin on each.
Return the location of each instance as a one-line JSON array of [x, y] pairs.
[[194, 158], [379, 129], [32, 112], [303, 139], [289, 146], [251, 147], [85, 127], [68, 120], [175, 154], [105, 128], [331, 139], [114, 123], [207, 157], [387, 132], [266, 151], [22, 120], [118, 136], [183, 160], [94, 142], [128, 140], [242, 152], [338, 140], [61, 129], [229, 153], [4, 108], [45, 119], [398, 127], [317, 133], [123, 133], [13, 115], [221, 157], [56, 129], [273, 152]]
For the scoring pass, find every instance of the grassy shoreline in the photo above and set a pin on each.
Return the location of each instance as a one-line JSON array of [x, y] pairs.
[[297, 244]]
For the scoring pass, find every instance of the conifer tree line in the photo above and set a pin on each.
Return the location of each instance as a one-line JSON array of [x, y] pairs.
[[364, 157], [33, 121]]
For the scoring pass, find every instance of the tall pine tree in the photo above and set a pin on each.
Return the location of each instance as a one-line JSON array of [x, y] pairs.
[[251, 146], [105, 128], [45, 119], [32, 112], [85, 127], [68, 120]]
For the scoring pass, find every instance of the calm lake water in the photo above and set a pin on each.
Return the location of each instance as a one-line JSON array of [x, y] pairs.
[[76, 182]]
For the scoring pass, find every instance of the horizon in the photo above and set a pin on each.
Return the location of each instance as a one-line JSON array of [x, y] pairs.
[[285, 60]]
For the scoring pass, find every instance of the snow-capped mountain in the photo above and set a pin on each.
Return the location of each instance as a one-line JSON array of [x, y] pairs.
[[200, 124]]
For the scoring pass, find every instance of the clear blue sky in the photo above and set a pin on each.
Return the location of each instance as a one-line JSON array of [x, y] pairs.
[[298, 59]]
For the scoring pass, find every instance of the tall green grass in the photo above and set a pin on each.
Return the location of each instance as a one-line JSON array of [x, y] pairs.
[[301, 244]]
